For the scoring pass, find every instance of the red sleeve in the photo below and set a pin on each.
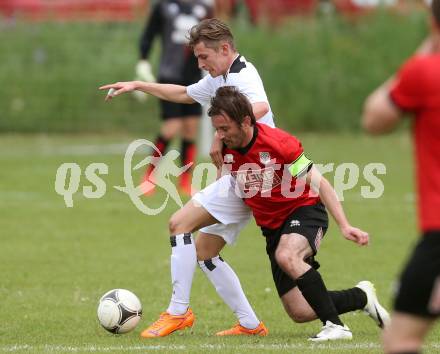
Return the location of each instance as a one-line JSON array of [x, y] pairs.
[[291, 148], [408, 91]]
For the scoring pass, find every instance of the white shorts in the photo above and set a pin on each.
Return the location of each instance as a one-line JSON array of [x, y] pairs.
[[221, 201]]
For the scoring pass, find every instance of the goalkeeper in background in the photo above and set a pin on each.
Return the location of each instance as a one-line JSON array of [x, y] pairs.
[[171, 20]]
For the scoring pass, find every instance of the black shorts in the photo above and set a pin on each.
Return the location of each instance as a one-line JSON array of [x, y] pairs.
[[308, 221], [172, 110], [419, 277]]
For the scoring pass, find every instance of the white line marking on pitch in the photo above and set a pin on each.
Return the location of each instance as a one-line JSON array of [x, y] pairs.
[[173, 347]]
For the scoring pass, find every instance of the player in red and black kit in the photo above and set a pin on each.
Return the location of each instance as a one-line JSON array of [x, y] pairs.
[[416, 89], [171, 20], [287, 196], [294, 220]]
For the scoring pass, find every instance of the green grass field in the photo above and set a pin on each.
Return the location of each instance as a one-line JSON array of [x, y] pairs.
[[56, 262]]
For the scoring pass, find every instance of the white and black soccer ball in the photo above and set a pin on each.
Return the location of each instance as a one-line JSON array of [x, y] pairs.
[[119, 311]]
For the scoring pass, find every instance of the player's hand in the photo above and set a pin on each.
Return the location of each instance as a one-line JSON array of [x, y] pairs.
[[356, 235], [118, 88], [216, 152], [143, 73]]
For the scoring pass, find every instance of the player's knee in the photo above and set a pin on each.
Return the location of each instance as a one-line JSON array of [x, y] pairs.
[[286, 258], [281, 257], [172, 225], [175, 225]]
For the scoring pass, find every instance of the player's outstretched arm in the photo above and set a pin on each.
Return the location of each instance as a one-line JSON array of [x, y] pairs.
[[328, 196], [168, 92]]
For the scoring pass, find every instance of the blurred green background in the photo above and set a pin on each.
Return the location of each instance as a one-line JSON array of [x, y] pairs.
[[317, 71]]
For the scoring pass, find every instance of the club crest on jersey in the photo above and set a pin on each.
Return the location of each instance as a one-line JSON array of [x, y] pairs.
[[264, 158], [229, 158]]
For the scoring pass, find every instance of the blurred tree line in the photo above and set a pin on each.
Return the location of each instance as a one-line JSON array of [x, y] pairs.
[[317, 70]]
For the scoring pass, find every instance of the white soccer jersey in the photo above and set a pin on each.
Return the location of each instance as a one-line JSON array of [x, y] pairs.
[[241, 74]]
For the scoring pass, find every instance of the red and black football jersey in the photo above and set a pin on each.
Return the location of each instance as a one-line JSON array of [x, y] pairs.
[[265, 174]]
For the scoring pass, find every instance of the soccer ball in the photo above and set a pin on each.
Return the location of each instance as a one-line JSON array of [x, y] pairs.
[[119, 311]]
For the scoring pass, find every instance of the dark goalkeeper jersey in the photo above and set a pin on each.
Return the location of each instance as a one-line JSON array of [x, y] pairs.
[[266, 172], [172, 20]]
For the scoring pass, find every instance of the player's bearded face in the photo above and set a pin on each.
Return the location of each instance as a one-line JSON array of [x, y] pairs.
[[232, 134], [212, 60]]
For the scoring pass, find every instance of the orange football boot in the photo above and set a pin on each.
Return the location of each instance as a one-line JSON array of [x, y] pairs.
[[148, 184], [167, 324], [239, 330]]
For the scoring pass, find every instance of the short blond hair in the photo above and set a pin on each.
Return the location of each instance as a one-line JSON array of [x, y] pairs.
[[211, 32]]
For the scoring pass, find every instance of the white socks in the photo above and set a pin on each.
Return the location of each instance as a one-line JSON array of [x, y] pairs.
[[221, 275], [183, 265], [229, 288]]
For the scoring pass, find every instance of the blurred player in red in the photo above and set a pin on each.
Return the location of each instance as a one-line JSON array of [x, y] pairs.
[[416, 90], [171, 20]]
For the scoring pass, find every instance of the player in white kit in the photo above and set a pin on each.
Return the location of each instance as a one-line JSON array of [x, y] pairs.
[[213, 45]]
